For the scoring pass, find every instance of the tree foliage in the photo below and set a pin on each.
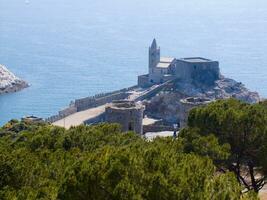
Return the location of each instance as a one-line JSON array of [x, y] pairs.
[[99, 162], [244, 127]]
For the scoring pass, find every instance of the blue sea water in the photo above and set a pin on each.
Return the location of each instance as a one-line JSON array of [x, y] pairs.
[[70, 49]]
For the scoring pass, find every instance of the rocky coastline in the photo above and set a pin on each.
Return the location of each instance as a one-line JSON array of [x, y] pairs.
[[9, 82]]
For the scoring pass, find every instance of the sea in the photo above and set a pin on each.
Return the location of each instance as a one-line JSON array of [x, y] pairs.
[[69, 49]]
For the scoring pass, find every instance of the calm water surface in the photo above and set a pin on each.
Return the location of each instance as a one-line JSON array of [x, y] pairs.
[[70, 49]]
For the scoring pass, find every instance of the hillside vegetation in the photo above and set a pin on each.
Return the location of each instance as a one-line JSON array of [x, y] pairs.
[[40, 161], [244, 127]]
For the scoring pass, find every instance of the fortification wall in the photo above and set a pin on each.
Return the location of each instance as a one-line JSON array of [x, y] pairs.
[[156, 128], [68, 111], [91, 102], [53, 118], [153, 91], [98, 119], [62, 114]]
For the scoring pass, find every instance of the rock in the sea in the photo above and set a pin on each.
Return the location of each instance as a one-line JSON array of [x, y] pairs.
[[9, 82]]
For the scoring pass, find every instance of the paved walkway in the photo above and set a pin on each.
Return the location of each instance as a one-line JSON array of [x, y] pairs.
[[149, 121], [152, 135], [79, 117]]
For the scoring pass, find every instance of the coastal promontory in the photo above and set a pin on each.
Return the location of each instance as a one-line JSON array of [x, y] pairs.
[[9, 82]]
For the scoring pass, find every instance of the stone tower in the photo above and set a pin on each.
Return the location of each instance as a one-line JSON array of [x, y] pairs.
[[154, 56], [126, 113]]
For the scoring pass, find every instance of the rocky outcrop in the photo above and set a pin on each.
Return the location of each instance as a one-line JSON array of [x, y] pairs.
[[167, 105], [222, 88], [164, 106], [9, 82]]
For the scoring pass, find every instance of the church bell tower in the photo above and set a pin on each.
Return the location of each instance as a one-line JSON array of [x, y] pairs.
[[154, 55]]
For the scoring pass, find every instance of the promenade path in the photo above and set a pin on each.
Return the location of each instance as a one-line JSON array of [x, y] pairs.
[[79, 118]]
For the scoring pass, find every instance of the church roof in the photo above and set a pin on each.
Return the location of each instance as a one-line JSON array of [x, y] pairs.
[[163, 65], [165, 62], [196, 60], [166, 59]]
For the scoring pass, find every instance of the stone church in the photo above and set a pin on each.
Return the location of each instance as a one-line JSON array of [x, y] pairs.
[[192, 69]]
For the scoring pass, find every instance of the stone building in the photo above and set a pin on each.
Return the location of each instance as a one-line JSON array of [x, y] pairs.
[[126, 113], [197, 69], [188, 104], [162, 69]]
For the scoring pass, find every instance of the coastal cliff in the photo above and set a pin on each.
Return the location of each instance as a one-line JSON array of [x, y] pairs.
[[9, 82]]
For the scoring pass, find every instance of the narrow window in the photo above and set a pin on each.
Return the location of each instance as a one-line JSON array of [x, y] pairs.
[[130, 126]]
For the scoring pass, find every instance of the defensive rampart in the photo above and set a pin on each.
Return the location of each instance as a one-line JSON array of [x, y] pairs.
[[91, 102], [153, 91]]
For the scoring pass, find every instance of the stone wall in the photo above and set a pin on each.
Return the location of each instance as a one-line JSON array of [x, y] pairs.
[[90, 102], [63, 113], [98, 119], [54, 118], [68, 111], [154, 90], [157, 74], [156, 128], [143, 81]]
